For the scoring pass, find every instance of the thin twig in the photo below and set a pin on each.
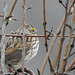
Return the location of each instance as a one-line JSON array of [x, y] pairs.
[[46, 45], [67, 46], [51, 46], [70, 66], [12, 9], [71, 47], [60, 1], [70, 6], [71, 54], [38, 71], [3, 38], [16, 35], [10, 18], [1, 15], [23, 50], [62, 37]]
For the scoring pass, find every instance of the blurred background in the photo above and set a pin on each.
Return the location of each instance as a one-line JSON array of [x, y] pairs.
[[54, 15]]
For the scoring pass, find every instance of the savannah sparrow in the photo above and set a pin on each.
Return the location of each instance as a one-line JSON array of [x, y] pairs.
[[13, 49]]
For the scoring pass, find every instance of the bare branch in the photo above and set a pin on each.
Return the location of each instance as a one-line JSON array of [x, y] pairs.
[[70, 66]]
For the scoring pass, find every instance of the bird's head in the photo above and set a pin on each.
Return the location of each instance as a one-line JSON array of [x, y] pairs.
[[31, 29]]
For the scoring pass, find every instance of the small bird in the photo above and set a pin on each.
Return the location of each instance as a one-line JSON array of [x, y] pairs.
[[13, 51]]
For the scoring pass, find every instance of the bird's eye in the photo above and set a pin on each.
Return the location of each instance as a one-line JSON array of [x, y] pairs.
[[33, 29]]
